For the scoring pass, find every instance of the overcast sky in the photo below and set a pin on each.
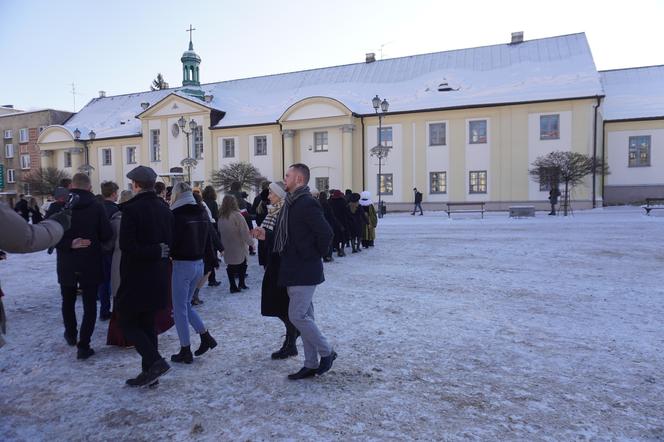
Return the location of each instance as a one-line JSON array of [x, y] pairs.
[[119, 46]]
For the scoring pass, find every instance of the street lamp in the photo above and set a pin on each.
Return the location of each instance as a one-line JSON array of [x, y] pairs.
[[188, 162], [380, 151], [86, 168]]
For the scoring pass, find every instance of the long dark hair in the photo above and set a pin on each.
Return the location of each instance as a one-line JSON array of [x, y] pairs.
[[209, 193], [228, 206]]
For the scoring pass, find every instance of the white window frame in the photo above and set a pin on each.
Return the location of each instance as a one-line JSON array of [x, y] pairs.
[[106, 161], [8, 134], [469, 139], [552, 135], [25, 161], [224, 146], [479, 191], [9, 150], [130, 155], [23, 131], [323, 146], [198, 143], [444, 182], [11, 176], [67, 161], [155, 147], [262, 152], [429, 138], [636, 162]]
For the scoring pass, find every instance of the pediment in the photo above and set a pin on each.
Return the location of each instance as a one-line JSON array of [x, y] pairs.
[[172, 105], [55, 134], [315, 107]]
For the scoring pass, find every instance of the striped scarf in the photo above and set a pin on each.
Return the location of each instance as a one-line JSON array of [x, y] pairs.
[[281, 233], [271, 219]]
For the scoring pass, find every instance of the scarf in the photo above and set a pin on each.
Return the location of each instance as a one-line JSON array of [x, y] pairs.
[[271, 219], [281, 235], [183, 199]]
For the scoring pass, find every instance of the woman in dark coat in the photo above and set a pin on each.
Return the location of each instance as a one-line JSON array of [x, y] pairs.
[[329, 217], [274, 299], [341, 225], [358, 219]]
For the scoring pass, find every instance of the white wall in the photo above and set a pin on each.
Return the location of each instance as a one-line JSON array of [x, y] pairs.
[[323, 164], [437, 160], [617, 154], [478, 157], [392, 164], [107, 173], [221, 161], [158, 166], [538, 148], [262, 162], [123, 181]]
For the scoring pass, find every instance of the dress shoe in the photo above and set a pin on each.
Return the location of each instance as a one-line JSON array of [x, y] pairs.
[[303, 374], [71, 340], [84, 353], [326, 362]]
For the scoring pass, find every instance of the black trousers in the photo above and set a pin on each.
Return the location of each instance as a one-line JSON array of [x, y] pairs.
[[89, 312], [138, 327]]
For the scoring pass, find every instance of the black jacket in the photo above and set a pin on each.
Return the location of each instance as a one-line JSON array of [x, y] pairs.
[[88, 221], [418, 197], [190, 233], [341, 214], [274, 299], [55, 207], [309, 238], [110, 207], [144, 275], [22, 209], [214, 208]]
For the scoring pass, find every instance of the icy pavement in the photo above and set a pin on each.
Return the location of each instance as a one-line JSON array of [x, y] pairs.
[[497, 329]]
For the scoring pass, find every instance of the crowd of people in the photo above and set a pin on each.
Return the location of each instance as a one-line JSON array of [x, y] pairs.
[[151, 252]]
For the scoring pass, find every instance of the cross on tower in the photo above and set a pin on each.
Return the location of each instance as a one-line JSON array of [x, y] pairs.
[[190, 30]]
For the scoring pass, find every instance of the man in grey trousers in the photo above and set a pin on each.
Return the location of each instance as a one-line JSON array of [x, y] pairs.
[[303, 237]]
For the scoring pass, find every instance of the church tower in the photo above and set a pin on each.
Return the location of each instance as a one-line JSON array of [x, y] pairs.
[[190, 70]]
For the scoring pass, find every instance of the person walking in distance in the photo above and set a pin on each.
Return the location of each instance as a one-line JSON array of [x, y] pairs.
[[146, 232], [302, 237], [418, 201]]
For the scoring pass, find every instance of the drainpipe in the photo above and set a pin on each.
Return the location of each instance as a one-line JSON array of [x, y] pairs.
[[364, 181], [599, 99], [603, 159], [283, 152]]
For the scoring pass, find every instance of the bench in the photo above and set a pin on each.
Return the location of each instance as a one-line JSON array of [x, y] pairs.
[[522, 211], [653, 204], [473, 207]]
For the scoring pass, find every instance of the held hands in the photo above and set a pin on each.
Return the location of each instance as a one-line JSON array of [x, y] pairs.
[[258, 233], [80, 243], [165, 250]]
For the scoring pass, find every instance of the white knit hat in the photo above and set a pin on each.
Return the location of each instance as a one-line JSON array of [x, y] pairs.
[[279, 189], [365, 198]]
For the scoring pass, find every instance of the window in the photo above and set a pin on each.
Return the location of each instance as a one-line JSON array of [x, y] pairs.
[[106, 157], [10, 176], [131, 155], [385, 183], [23, 135], [8, 133], [25, 161], [437, 134], [322, 183], [477, 132], [229, 147], [639, 151], [198, 143], [437, 182], [155, 150], [385, 136], [260, 145], [549, 127], [9, 151], [27, 189], [477, 181], [320, 141], [67, 159]]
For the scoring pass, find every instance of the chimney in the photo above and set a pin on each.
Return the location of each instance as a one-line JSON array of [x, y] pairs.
[[517, 37], [145, 105], [102, 94], [208, 98], [371, 57]]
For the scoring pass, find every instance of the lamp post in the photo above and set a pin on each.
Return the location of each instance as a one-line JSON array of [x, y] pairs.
[[86, 168], [380, 151], [188, 162]]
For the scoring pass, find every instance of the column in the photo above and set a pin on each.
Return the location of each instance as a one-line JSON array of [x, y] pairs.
[[347, 155], [46, 159], [289, 138], [77, 159]]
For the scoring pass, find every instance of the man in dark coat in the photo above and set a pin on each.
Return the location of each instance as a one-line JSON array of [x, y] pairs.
[[341, 225], [554, 193], [418, 201], [146, 233], [79, 263], [21, 207], [302, 237]]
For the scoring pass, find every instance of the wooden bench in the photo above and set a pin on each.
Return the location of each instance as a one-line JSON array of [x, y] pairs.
[[522, 211], [653, 204], [473, 207]]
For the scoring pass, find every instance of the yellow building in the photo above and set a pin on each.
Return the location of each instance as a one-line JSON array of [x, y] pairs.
[[462, 125]]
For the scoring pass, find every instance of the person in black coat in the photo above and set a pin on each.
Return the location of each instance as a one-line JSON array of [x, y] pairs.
[[109, 190], [331, 220], [302, 237], [342, 221], [146, 234], [358, 219], [21, 207], [418, 201], [554, 193], [259, 206], [210, 200], [79, 263]]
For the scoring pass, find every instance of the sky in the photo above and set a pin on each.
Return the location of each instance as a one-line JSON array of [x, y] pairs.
[[119, 46]]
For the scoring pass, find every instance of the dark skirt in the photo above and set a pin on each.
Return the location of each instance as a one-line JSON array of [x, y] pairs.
[[274, 299]]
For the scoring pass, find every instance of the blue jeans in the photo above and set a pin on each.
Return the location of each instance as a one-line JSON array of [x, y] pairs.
[[186, 275]]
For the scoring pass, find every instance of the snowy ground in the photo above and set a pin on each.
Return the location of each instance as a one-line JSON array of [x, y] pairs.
[[496, 329]]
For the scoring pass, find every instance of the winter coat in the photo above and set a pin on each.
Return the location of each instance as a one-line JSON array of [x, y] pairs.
[[111, 208], [17, 236], [554, 193], [88, 221], [36, 215], [259, 207], [116, 219], [274, 298], [418, 197], [341, 214], [370, 227], [235, 237], [358, 219], [54, 207], [190, 233], [214, 208], [309, 239], [327, 212], [22, 209], [145, 276]]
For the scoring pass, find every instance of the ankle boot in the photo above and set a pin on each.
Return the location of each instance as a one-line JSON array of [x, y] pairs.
[[184, 356], [207, 343], [231, 280], [243, 274], [288, 349]]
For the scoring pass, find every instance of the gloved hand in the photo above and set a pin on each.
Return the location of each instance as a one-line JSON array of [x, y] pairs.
[[63, 217], [165, 250]]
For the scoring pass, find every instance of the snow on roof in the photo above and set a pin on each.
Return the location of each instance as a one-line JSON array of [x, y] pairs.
[[537, 70], [633, 93]]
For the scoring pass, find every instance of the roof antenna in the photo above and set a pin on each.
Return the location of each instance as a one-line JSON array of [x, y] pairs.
[[382, 46]]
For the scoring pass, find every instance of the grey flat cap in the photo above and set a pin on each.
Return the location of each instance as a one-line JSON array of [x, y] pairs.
[[143, 174]]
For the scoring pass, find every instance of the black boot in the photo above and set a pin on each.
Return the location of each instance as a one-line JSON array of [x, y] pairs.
[[341, 251], [184, 355], [207, 343], [289, 348], [231, 280], [243, 274]]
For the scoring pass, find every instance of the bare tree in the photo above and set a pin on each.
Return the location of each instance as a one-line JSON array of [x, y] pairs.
[[567, 168], [159, 83], [44, 181], [234, 177]]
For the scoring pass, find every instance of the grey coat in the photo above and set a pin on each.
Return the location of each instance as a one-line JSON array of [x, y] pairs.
[[235, 237], [116, 220], [17, 236]]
